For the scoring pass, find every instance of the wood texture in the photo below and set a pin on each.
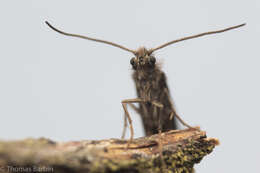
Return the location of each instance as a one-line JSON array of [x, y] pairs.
[[181, 149]]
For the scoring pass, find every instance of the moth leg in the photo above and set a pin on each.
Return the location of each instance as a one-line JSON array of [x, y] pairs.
[[160, 141], [125, 126], [173, 113], [180, 119], [124, 104], [158, 104], [160, 148], [137, 110]]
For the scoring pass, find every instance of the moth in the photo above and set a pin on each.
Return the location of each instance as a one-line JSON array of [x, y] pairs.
[[155, 105]]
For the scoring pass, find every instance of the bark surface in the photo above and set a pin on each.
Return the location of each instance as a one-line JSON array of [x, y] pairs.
[[172, 151]]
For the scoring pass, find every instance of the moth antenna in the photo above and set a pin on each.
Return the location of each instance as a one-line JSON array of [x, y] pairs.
[[89, 38], [195, 36]]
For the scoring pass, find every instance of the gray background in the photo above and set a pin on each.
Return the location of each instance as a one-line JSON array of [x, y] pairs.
[[71, 89]]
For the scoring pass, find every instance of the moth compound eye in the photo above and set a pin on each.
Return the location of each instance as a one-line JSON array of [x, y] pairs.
[[152, 60], [132, 61]]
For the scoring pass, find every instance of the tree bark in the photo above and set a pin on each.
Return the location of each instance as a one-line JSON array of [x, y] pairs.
[[172, 151]]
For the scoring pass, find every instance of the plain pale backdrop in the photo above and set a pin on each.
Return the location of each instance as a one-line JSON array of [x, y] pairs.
[[65, 88]]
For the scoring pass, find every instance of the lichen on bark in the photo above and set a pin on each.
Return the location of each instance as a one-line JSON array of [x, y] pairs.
[[172, 151]]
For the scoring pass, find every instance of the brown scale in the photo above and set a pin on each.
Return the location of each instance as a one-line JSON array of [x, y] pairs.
[[154, 103]]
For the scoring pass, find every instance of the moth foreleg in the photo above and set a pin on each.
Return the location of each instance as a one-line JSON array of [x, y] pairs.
[[137, 110], [125, 126], [124, 104]]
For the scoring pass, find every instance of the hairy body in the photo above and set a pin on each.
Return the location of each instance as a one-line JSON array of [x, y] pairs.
[[151, 85]]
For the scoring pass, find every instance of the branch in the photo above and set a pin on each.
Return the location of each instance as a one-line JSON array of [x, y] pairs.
[[178, 151]]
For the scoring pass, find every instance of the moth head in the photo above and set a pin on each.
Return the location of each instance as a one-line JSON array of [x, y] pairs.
[[143, 59]]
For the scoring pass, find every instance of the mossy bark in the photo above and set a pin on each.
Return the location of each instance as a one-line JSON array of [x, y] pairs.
[[173, 151]]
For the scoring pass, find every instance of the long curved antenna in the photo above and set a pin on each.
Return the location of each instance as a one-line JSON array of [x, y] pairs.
[[89, 38], [195, 36]]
